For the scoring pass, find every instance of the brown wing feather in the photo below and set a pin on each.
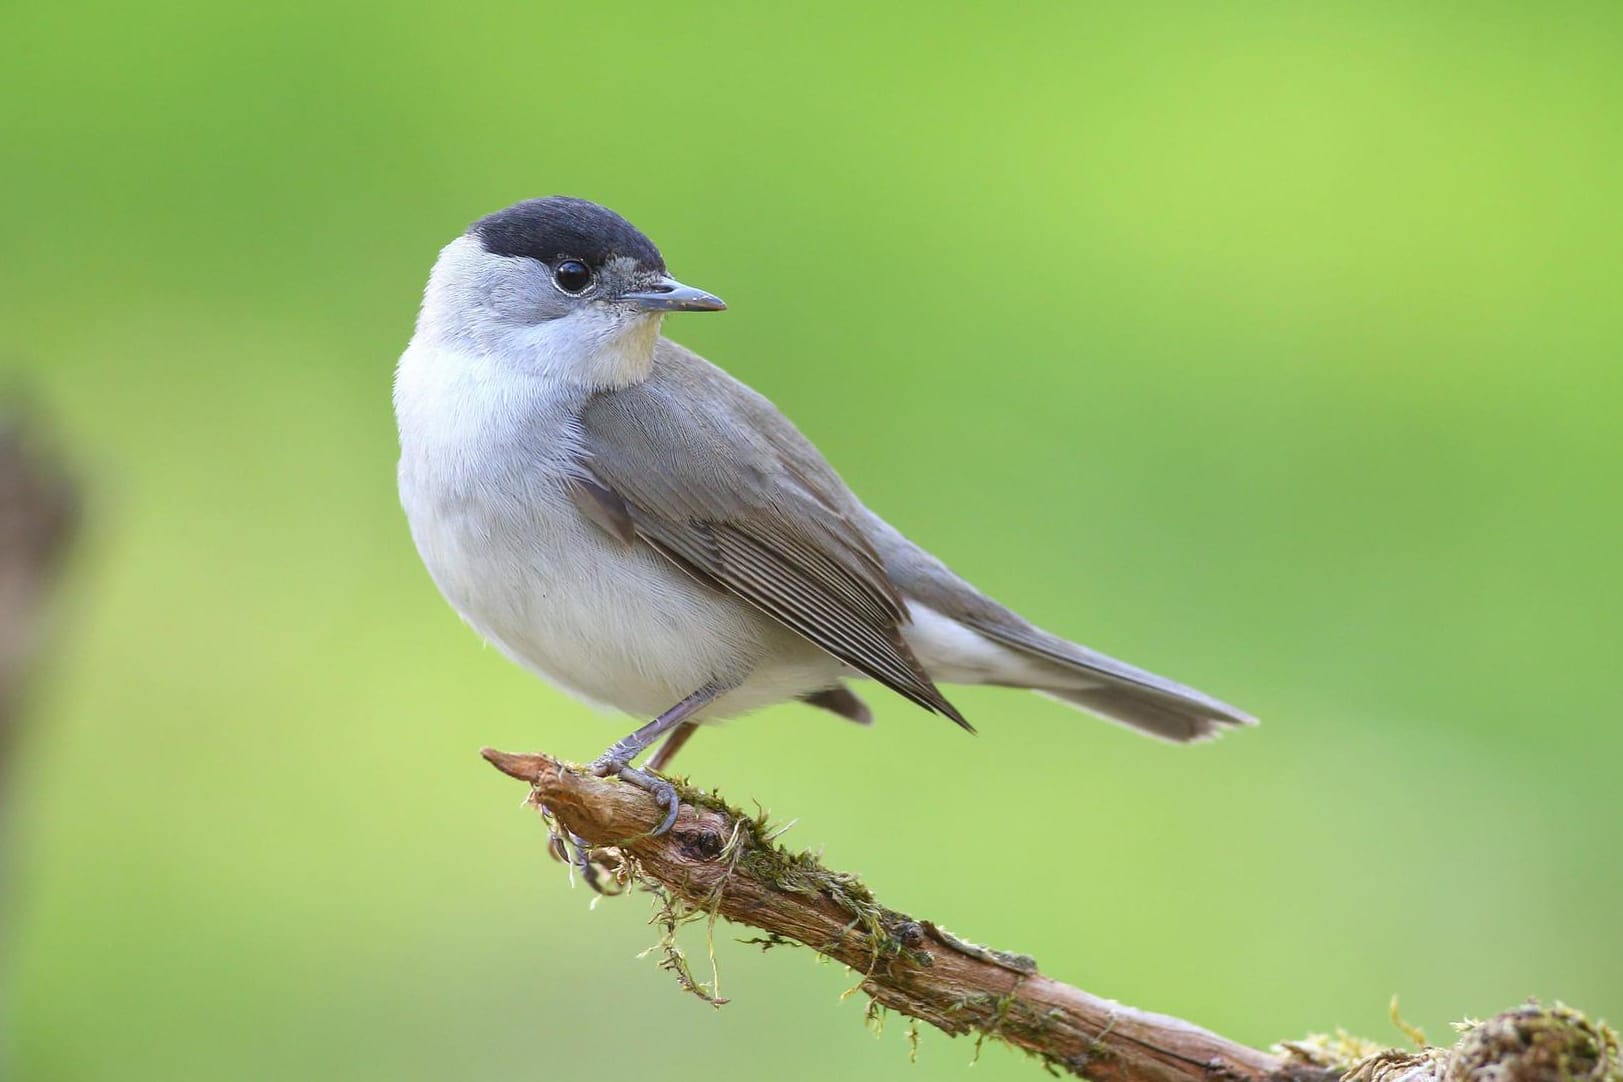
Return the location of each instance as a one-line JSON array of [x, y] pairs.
[[719, 482]]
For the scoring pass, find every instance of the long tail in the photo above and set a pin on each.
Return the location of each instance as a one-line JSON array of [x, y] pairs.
[[1180, 721], [1115, 690], [962, 636], [997, 647], [1023, 656]]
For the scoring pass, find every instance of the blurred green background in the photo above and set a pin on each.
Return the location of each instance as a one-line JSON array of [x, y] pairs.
[[1274, 347]]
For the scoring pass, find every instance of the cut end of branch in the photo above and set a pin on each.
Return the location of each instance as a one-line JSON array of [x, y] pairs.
[[523, 767]]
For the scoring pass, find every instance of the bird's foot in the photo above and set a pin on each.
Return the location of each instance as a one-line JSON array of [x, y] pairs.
[[663, 791], [594, 874], [570, 848]]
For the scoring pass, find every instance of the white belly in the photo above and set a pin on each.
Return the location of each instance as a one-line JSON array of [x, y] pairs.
[[615, 624]]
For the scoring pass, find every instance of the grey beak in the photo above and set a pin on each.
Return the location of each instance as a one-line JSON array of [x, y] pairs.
[[669, 295]]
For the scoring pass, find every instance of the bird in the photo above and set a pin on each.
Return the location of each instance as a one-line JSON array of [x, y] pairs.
[[618, 515]]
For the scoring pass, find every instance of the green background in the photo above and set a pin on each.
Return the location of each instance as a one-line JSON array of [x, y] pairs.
[[1271, 346]]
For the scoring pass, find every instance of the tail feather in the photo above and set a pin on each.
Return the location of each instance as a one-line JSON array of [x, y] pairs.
[[1018, 655], [1180, 723], [1119, 692], [963, 636]]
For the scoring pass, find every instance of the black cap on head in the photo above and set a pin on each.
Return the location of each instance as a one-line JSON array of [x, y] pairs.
[[559, 227]]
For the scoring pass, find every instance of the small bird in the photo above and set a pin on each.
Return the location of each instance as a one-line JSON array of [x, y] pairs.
[[623, 518]]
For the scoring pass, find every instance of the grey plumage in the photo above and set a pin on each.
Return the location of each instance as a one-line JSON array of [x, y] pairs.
[[624, 518], [840, 700], [1085, 678], [712, 475]]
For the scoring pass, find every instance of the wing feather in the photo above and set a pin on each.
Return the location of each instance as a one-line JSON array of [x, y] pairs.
[[719, 482]]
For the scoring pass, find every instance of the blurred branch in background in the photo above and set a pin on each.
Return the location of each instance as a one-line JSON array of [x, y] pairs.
[[39, 512], [38, 515], [719, 862]]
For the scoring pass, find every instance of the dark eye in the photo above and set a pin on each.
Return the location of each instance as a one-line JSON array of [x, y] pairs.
[[572, 276]]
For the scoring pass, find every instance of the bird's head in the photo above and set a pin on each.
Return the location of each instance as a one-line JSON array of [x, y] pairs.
[[560, 286]]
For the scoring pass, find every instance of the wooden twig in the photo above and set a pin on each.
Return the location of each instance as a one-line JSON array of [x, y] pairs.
[[38, 512], [717, 860]]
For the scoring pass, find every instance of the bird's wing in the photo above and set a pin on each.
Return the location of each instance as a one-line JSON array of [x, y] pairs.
[[712, 476]]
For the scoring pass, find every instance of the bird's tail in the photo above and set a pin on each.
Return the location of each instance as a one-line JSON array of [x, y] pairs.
[[1178, 720], [963, 636], [1123, 693], [1115, 690], [994, 646]]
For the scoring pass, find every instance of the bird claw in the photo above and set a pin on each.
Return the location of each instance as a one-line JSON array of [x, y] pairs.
[[588, 868], [577, 851], [661, 790], [570, 848]]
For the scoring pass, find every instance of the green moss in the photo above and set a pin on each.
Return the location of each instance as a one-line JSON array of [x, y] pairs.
[[1341, 1051], [755, 852], [1527, 1044], [873, 1016], [1536, 1044], [992, 1016], [889, 938], [752, 850], [998, 1007], [670, 913], [1333, 1051]]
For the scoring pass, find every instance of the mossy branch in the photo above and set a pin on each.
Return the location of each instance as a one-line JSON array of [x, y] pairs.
[[717, 861]]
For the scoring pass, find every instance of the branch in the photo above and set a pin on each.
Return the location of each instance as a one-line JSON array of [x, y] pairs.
[[718, 861], [38, 512]]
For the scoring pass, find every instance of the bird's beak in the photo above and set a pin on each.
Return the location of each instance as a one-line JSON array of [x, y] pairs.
[[669, 295]]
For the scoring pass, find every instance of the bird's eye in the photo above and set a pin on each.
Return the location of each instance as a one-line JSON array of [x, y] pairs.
[[572, 276]]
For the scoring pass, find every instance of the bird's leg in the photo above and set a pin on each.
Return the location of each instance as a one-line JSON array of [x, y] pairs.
[[673, 744], [617, 760]]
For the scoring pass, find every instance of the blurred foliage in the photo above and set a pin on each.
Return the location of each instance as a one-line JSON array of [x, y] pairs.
[[1274, 347]]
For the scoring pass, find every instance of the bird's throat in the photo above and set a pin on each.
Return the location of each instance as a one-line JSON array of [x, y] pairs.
[[593, 349]]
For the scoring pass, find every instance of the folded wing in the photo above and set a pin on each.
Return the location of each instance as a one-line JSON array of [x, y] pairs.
[[708, 473]]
